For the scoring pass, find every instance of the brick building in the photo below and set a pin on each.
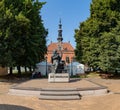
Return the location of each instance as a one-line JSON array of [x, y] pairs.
[[65, 49]]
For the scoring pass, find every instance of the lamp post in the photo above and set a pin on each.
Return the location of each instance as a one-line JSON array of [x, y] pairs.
[[46, 65], [71, 67]]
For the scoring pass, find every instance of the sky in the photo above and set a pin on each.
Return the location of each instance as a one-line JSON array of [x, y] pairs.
[[71, 13]]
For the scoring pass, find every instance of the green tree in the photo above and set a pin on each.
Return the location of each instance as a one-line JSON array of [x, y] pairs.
[[108, 57], [22, 33], [96, 38]]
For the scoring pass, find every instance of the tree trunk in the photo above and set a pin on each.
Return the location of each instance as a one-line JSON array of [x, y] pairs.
[[19, 71], [30, 69], [106, 72], [25, 69], [11, 72]]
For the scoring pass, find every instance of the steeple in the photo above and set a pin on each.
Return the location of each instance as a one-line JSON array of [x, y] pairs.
[[60, 32]]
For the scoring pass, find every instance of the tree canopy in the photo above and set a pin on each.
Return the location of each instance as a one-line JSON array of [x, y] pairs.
[[22, 33], [98, 38]]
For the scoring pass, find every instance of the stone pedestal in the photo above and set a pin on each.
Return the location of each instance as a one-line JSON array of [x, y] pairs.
[[58, 77]]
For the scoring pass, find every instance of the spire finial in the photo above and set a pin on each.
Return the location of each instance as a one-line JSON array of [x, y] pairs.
[[60, 32], [60, 21]]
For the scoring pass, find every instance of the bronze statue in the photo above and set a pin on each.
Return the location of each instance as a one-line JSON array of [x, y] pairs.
[[55, 59]]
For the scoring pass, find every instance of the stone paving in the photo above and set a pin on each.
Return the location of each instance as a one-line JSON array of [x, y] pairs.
[[43, 83], [104, 102]]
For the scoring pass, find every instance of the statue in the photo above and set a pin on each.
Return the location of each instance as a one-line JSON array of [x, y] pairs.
[[55, 59], [58, 73]]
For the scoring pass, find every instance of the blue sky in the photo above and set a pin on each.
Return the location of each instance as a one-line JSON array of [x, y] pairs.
[[71, 12]]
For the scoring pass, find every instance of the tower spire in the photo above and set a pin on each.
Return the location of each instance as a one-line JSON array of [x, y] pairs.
[[60, 32]]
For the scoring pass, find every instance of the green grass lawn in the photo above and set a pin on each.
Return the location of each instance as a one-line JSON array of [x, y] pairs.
[[87, 75], [93, 75]]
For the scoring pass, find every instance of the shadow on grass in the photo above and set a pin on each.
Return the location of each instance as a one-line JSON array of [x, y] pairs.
[[15, 78], [109, 76], [13, 107]]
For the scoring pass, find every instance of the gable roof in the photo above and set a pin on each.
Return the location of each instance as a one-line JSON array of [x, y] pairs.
[[65, 46]]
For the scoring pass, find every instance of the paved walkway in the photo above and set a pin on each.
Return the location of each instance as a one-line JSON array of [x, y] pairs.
[[105, 102], [43, 83]]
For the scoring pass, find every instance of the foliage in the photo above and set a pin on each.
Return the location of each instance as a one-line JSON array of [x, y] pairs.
[[22, 33], [98, 37]]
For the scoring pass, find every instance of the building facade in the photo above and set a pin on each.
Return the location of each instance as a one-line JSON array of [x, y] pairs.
[[65, 49]]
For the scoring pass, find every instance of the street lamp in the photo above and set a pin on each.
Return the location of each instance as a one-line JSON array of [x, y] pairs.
[[71, 67], [46, 65]]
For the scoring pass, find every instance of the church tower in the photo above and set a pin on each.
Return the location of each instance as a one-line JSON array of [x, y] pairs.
[[60, 39], [65, 49]]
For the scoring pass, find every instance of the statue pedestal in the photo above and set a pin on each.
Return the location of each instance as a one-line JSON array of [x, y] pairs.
[[58, 77]]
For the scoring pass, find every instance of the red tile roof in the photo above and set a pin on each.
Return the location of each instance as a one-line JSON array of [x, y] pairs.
[[65, 47], [67, 50]]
